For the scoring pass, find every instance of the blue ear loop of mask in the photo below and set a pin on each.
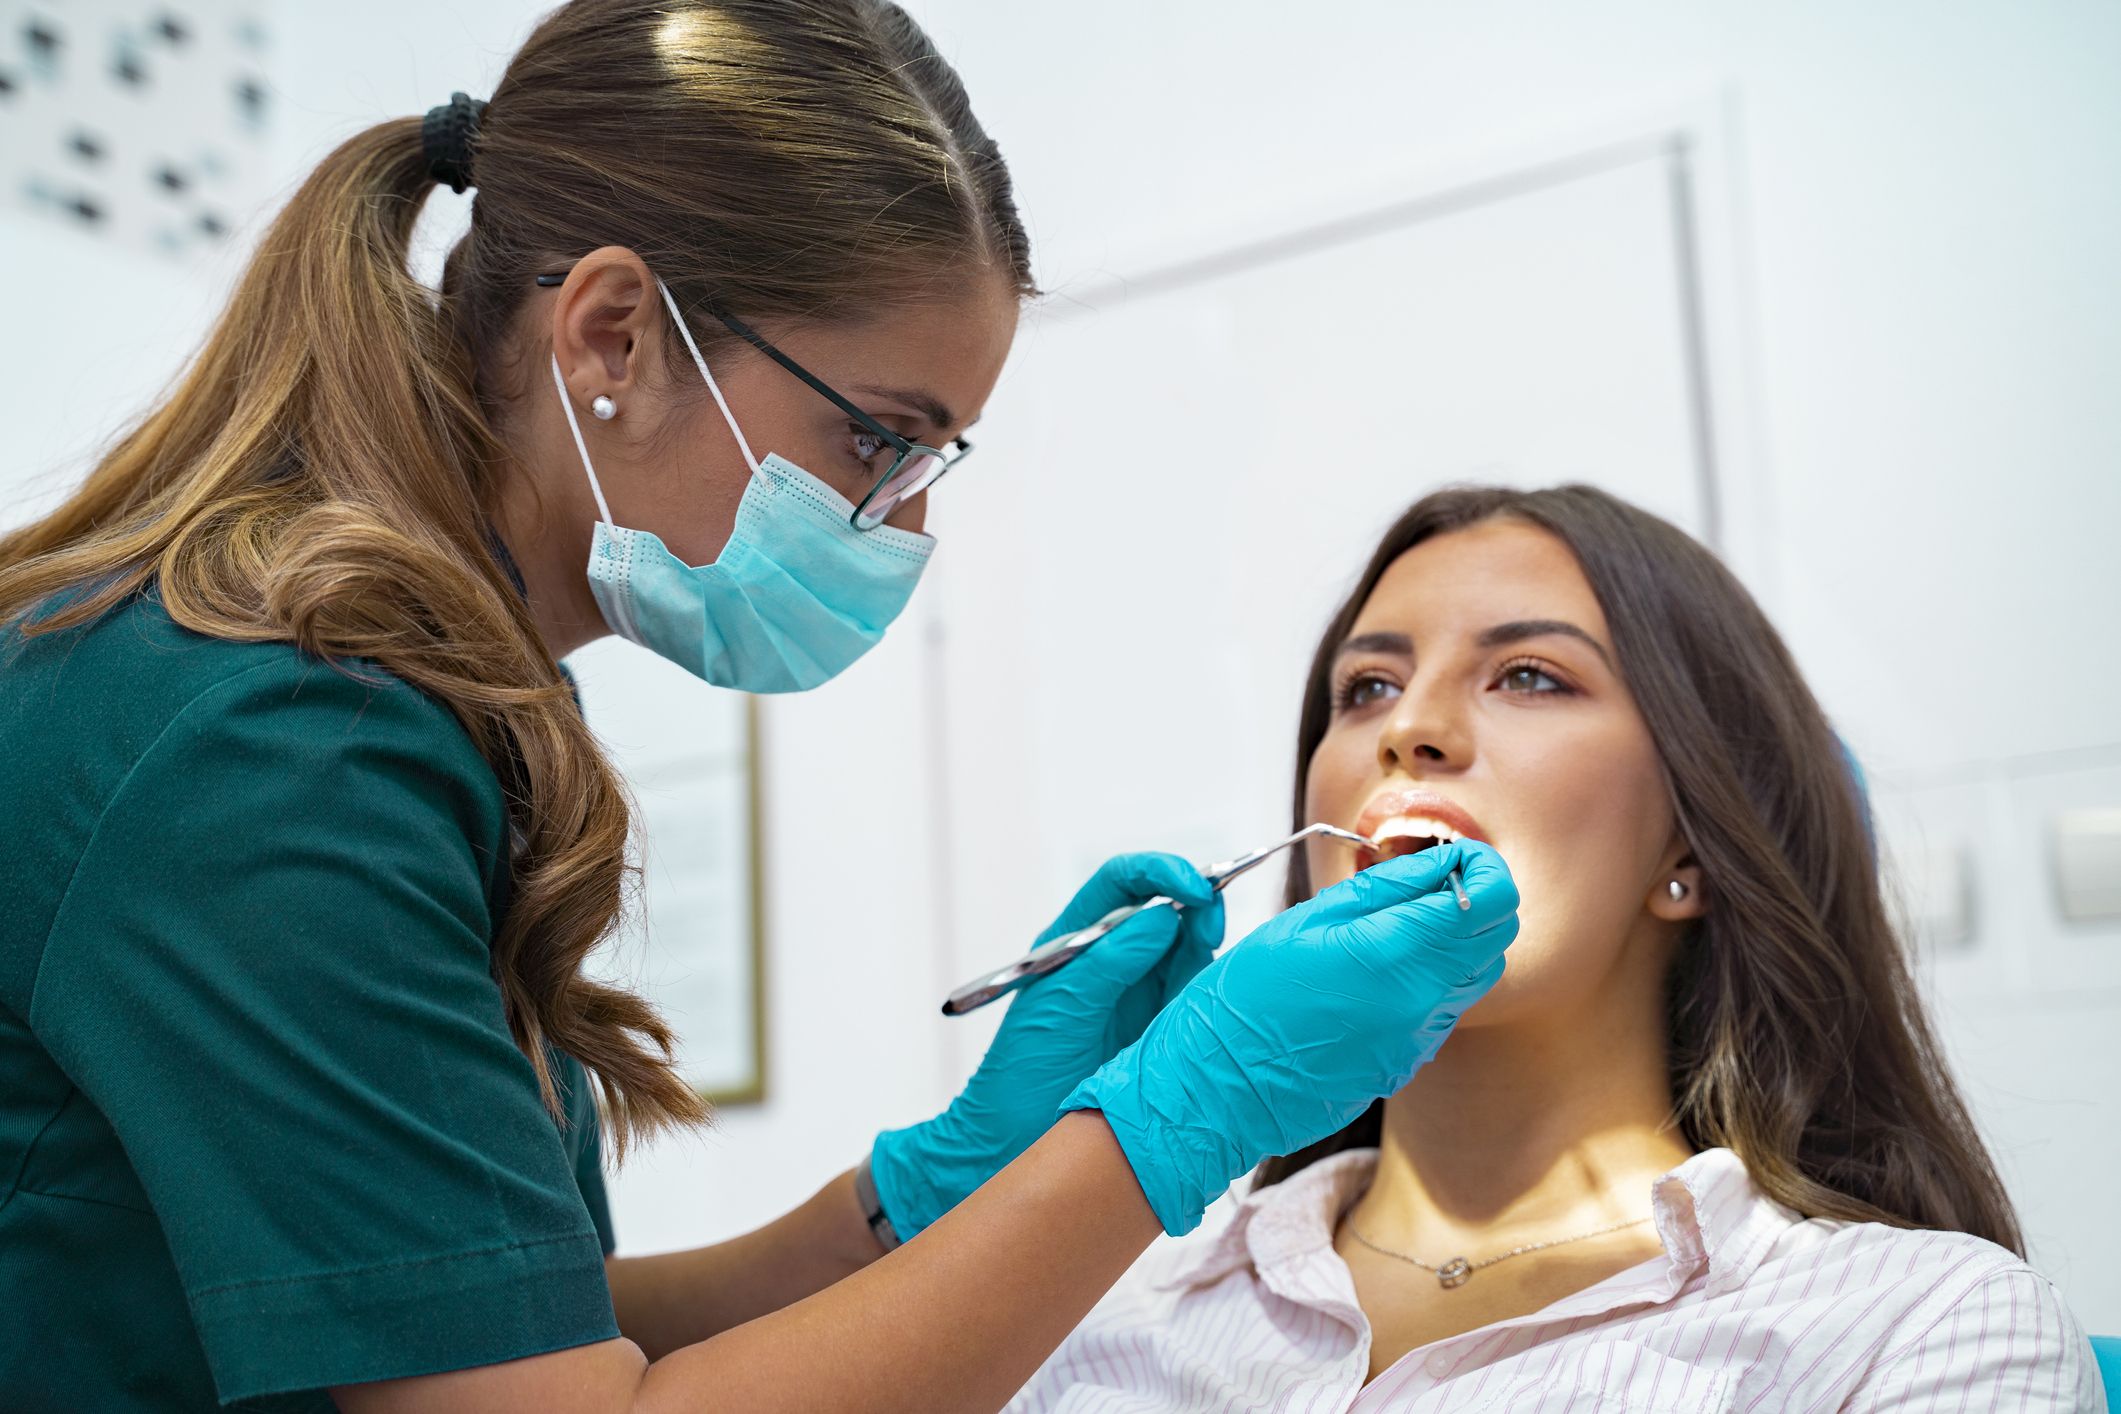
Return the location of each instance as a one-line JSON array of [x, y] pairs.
[[795, 596]]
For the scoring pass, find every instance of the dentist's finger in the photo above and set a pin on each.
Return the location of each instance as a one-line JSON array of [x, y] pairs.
[[1131, 878], [1409, 878], [1123, 957]]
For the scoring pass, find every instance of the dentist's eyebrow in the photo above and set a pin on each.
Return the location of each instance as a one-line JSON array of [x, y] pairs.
[[926, 404], [1501, 635]]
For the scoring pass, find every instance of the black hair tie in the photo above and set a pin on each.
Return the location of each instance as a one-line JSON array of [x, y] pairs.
[[446, 136]]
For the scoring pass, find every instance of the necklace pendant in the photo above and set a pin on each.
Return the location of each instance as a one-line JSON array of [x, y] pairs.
[[1456, 1272]]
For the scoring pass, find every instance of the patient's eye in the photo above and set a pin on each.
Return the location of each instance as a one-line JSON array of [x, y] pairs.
[[1362, 689], [1530, 678]]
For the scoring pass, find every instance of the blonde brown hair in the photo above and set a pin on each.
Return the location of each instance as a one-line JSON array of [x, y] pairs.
[[1795, 1035], [326, 470]]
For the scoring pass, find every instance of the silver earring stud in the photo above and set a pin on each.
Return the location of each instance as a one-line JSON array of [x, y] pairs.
[[604, 408], [1677, 890]]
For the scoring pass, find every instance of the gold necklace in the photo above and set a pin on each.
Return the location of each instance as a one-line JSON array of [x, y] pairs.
[[1458, 1271]]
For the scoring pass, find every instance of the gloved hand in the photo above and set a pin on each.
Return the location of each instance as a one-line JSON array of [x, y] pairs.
[[1059, 1029], [1289, 1036]]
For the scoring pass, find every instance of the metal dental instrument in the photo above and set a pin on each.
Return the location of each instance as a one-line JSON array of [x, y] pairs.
[[1060, 951]]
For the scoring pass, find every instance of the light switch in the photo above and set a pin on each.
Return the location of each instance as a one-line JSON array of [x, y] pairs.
[[2088, 864]]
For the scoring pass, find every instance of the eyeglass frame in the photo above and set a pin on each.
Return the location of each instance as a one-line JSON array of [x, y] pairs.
[[905, 449]]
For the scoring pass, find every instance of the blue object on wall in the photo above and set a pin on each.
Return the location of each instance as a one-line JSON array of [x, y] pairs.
[[1863, 791]]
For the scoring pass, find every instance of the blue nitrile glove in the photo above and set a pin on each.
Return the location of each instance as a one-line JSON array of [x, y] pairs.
[[1289, 1036], [1059, 1029]]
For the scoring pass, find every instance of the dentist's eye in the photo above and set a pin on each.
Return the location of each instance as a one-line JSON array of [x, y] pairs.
[[1362, 689], [1531, 679], [867, 445]]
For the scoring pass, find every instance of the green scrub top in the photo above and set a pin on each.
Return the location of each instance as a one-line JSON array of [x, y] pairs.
[[263, 1129]]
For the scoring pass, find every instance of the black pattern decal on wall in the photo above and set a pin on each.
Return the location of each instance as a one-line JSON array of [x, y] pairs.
[[137, 122]]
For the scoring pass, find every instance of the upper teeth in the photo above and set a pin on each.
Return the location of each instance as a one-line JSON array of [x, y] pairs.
[[1420, 825]]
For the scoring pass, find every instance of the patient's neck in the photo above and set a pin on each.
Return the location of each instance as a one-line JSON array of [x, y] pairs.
[[1529, 1130]]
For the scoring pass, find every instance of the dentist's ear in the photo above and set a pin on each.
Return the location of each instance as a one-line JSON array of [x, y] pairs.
[[1679, 893], [606, 318]]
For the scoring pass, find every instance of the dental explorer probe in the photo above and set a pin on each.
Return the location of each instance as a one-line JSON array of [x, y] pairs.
[[1058, 952]]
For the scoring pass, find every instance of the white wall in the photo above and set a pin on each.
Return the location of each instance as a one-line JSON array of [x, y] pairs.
[[1927, 329]]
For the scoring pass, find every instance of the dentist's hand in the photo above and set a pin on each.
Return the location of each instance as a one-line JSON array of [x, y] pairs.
[[1290, 1035], [1059, 1029]]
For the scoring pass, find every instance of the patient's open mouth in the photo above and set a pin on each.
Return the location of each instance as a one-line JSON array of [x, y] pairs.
[[1407, 822], [1406, 835]]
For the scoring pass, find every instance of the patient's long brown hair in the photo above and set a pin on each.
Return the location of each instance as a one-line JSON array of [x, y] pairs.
[[325, 470], [1796, 1037]]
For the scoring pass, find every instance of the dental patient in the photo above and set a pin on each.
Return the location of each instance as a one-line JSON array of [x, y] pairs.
[[1697, 1150]]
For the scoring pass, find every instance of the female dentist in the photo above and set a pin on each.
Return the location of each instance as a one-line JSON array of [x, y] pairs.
[[310, 841]]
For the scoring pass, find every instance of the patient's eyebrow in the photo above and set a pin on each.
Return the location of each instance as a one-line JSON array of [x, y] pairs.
[[1519, 630], [1396, 643]]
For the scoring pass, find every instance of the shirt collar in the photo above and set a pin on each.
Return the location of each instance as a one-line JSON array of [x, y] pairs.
[[1708, 1213], [1274, 1224]]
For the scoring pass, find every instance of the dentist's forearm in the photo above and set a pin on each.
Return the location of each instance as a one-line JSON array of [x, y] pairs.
[[675, 1299]]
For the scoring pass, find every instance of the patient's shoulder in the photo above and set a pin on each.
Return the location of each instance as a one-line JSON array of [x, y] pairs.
[[1907, 1272], [1915, 1261], [1922, 1312], [1986, 1321]]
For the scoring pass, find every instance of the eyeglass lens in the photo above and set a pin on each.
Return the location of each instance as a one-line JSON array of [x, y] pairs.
[[911, 477]]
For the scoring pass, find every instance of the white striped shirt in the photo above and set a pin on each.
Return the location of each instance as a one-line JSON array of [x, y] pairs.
[[1750, 1308]]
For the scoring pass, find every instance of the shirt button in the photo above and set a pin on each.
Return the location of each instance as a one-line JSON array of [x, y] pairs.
[[1439, 1365]]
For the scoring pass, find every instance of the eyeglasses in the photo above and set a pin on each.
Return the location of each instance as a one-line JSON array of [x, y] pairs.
[[914, 468]]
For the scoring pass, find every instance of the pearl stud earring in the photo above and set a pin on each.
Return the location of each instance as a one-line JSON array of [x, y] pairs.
[[1677, 890], [604, 408]]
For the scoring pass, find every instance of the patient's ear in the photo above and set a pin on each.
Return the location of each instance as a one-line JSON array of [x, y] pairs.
[[1689, 899]]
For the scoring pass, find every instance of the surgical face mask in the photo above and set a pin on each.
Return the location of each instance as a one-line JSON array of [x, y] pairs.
[[790, 602]]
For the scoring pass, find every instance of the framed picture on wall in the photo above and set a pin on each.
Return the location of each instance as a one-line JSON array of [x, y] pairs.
[[693, 940]]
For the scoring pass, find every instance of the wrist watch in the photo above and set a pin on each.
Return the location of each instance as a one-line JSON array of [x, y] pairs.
[[873, 1207]]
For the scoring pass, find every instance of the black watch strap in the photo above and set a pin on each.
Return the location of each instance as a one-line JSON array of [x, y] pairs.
[[873, 1207]]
